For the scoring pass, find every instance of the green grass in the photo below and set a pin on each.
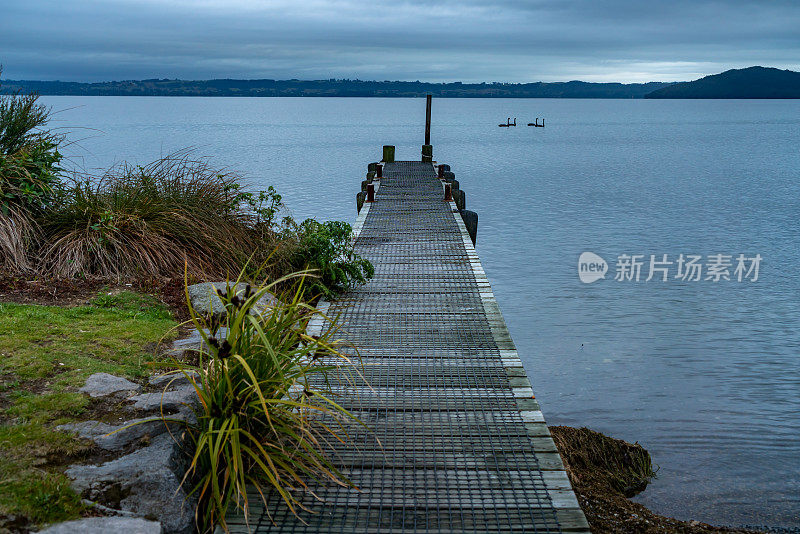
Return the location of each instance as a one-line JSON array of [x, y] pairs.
[[46, 354]]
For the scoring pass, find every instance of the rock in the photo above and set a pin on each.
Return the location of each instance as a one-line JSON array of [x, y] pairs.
[[205, 301], [114, 438], [166, 400], [194, 342], [102, 384], [104, 525], [87, 429], [174, 379], [146, 482]]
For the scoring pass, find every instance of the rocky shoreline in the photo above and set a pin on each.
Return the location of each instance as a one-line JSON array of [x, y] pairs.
[[141, 475], [605, 472]]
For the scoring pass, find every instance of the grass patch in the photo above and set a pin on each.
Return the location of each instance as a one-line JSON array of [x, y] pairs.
[[46, 354]]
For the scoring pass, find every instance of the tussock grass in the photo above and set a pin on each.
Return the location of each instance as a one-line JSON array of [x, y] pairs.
[[18, 234], [149, 221]]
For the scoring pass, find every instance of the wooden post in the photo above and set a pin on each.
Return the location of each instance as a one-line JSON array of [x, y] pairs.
[[441, 171], [448, 192], [379, 172], [428, 120], [370, 192], [470, 219], [427, 153], [388, 153]]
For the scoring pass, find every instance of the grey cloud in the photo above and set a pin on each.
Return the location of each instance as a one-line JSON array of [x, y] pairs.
[[468, 40]]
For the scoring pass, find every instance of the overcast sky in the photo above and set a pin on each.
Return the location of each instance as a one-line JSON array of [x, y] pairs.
[[434, 40]]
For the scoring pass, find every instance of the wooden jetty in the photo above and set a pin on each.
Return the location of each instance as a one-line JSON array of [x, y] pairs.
[[456, 440]]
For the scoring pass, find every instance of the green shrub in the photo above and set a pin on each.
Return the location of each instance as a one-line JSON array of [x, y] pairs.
[[259, 418], [28, 177], [29, 154], [327, 249]]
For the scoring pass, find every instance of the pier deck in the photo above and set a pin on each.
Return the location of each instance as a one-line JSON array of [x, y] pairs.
[[457, 442]]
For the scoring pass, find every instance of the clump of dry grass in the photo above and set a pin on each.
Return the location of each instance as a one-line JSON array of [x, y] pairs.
[[622, 466], [149, 221], [18, 233]]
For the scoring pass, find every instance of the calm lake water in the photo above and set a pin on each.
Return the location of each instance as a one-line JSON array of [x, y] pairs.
[[705, 375]]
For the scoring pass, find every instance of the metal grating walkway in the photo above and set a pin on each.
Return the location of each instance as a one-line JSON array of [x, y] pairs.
[[457, 441]]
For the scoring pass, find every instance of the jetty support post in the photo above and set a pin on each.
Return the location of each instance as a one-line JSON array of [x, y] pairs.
[[427, 153], [428, 120], [448, 192], [370, 193], [388, 153], [379, 171], [470, 219], [427, 149]]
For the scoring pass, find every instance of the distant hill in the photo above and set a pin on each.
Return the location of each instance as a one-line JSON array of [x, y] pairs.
[[574, 89], [752, 82]]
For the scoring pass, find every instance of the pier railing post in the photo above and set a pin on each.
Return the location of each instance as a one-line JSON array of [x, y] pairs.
[[370, 193], [388, 153], [379, 171], [448, 192]]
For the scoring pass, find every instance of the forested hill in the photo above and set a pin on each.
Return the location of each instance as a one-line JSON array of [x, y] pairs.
[[752, 82], [574, 89]]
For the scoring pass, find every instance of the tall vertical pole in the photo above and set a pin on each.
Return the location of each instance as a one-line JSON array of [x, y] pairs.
[[428, 121]]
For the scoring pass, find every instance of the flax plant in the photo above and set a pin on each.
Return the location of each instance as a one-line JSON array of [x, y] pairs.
[[266, 415]]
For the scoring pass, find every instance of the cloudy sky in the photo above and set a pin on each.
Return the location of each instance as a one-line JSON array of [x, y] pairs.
[[430, 40]]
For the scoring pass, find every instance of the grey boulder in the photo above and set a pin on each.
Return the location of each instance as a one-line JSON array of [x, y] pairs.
[[173, 380], [102, 384], [114, 438], [194, 341], [205, 301], [146, 482], [105, 525], [165, 400]]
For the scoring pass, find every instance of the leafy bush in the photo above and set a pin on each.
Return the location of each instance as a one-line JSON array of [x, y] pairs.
[[261, 390], [327, 249], [28, 176], [29, 156]]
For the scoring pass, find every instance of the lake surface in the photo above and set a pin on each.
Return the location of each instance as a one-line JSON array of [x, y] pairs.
[[705, 375]]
